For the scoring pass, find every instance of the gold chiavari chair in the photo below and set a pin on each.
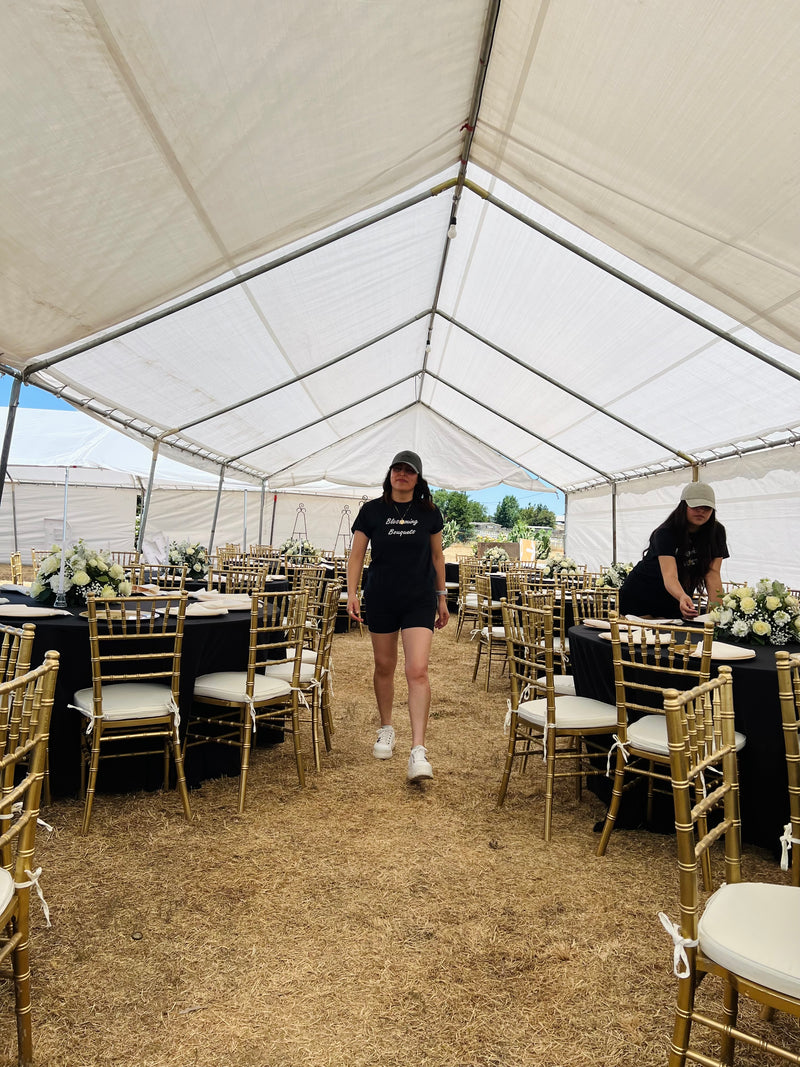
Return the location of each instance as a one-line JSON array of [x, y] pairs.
[[26, 703], [314, 678], [228, 705], [16, 649], [595, 602], [468, 569], [124, 558], [135, 645], [747, 934], [538, 720], [490, 636], [38, 556], [243, 578], [647, 661], [17, 576], [171, 576], [788, 667]]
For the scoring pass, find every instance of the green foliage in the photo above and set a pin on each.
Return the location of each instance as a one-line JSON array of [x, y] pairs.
[[455, 507], [507, 512], [449, 533], [537, 515], [478, 512], [542, 540]]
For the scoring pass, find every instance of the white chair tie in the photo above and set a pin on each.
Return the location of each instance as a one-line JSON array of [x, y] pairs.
[[473, 633], [16, 809], [621, 746], [680, 961], [547, 726], [522, 697], [787, 841], [711, 770], [90, 715], [34, 884]]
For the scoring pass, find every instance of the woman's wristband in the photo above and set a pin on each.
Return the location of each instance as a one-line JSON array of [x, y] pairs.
[[441, 592]]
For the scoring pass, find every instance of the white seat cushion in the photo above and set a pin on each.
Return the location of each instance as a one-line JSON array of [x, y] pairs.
[[572, 713], [308, 655], [451, 585], [127, 700], [6, 888], [285, 671], [559, 644], [498, 633], [650, 734], [564, 684], [752, 929], [471, 600], [230, 685]]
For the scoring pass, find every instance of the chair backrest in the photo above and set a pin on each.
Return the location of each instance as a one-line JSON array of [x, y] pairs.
[[164, 575], [135, 639], [38, 556], [26, 703], [16, 568], [467, 570], [125, 559], [243, 577], [648, 660], [529, 646], [594, 603], [704, 774], [16, 646], [277, 632], [789, 691]]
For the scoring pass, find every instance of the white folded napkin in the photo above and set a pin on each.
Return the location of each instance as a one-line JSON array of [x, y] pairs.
[[27, 611], [202, 610], [655, 622], [722, 650], [9, 587], [599, 624]]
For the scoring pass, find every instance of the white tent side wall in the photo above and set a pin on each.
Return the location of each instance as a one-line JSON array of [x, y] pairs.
[[757, 501], [105, 517]]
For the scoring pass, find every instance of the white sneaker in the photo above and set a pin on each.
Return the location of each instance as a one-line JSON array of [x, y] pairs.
[[384, 746], [418, 765]]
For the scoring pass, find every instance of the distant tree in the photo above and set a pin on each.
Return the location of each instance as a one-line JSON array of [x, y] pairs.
[[507, 512], [537, 515], [478, 512], [455, 507]]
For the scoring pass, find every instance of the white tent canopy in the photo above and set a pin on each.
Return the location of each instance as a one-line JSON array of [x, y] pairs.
[[305, 163]]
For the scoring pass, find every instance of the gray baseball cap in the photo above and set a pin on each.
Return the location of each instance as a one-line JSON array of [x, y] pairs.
[[411, 459], [698, 495]]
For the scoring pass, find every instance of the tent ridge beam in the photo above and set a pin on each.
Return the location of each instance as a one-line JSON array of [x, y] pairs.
[[665, 301], [565, 388]]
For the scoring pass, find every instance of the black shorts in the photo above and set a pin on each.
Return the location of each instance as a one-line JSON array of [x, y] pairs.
[[387, 615]]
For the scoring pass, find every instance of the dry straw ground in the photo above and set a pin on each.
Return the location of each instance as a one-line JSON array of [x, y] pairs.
[[360, 922]]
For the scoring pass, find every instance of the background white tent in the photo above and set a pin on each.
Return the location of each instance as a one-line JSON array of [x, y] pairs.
[[108, 472], [621, 298]]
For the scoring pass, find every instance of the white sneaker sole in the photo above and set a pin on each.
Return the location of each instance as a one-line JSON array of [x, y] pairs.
[[420, 773], [382, 753]]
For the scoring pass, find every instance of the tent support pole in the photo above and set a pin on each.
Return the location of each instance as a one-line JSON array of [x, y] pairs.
[[566, 523], [261, 511], [244, 521], [613, 522], [272, 523], [216, 509], [13, 404], [14, 515], [148, 494]]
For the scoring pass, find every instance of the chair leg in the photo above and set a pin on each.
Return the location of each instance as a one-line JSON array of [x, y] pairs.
[[180, 776], [512, 738], [298, 754], [614, 803], [477, 659], [247, 733], [730, 1009], [20, 962], [94, 766], [682, 1028], [550, 777]]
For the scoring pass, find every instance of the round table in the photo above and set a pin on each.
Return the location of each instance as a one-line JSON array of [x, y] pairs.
[[763, 783], [215, 643]]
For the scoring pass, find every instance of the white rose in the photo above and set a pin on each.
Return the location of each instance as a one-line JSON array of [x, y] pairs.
[[51, 564], [116, 571], [748, 605], [80, 578], [761, 628], [773, 603], [107, 592], [125, 588]]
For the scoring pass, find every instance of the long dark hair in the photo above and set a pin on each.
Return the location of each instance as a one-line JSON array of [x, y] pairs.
[[705, 541], [422, 492]]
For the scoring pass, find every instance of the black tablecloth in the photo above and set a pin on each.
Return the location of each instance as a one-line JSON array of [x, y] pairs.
[[216, 643], [762, 762]]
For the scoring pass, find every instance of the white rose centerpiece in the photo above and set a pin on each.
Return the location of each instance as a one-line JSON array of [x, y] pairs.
[[298, 551], [559, 566], [193, 554], [766, 613], [614, 575], [495, 555], [86, 570]]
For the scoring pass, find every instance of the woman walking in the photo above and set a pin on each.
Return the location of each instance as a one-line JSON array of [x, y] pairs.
[[404, 596]]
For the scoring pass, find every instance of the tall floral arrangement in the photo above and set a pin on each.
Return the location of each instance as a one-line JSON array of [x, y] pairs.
[[556, 566], [193, 554], [495, 555], [767, 613], [614, 575], [302, 551], [86, 570]]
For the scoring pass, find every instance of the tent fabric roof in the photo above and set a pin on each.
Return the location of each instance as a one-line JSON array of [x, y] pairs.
[[152, 150]]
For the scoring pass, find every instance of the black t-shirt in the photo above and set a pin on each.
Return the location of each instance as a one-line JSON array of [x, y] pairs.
[[400, 537], [643, 591]]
